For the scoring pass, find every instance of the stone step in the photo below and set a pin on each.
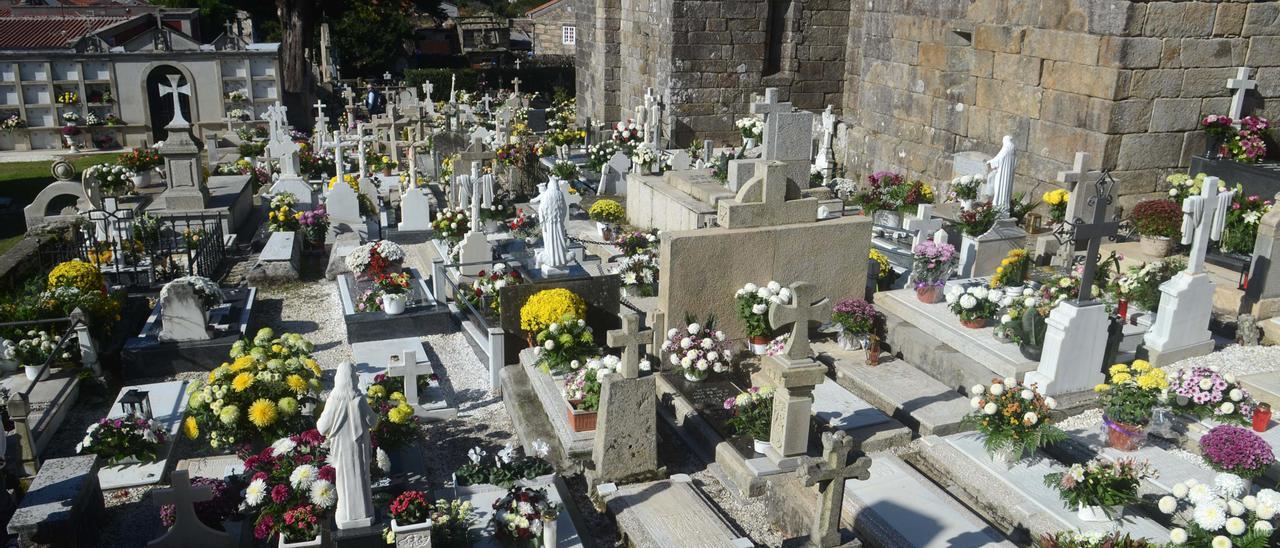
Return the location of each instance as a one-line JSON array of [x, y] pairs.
[[1264, 387], [1016, 498], [898, 389], [670, 512], [898, 507]]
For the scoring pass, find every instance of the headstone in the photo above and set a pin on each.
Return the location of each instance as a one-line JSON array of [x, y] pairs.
[[613, 176], [184, 176], [830, 474], [740, 172], [187, 529], [182, 316], [1240, 85], [794, 373], [980, 256], [343, 205], [626, 441], [680, 160], [925, 226], [409, 370], [537, 120], [415, 210], [769, 199], [788, 136], [630, 338], [1263, 287], [345, 422], [475, 253], [321, 128]]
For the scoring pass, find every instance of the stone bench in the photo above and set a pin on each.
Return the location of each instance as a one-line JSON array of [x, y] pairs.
[[62, 506], [280, 259]]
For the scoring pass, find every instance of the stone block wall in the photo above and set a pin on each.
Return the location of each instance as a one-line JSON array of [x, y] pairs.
[[596, 59], [548, 29], [1125, 81]]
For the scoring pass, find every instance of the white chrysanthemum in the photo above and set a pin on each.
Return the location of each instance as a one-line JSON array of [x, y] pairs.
[[990, 408], [671, 333], [979, 292], [323, 494], [1229, 485], [382, 460], [977, 390], [1180, 490], [759, 308], [1269, 496], [775, 286], [1178, 536], [976, 402], [254, 493], [1235, 508], [750, 288], [1030, 418], [1200, 493], [1209, 517], [302, 476], [997, 389], [1262, 526], [1227, 408], [764, 293], [694, 328], [1220, 542], [1168, 504], [1206, 384], [1051, 403], [968, 301], [1265, 511], [1250, 502], [1236, 526], [1026, 394], [1235, 394]]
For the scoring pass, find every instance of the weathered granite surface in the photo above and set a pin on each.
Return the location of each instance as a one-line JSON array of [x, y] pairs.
[[62, 504]]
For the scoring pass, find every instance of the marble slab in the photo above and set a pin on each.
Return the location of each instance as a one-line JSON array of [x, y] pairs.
[[670, 512], [482, 498], [370, 358], [1002, 358], [168, 405]]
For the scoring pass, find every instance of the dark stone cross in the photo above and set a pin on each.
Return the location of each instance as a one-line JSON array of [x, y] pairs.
[[187, 530], [830, 473], [1091, 234]]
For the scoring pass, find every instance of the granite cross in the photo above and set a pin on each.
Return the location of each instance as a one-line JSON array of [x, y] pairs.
[[187, 529], [829, 473], [630, 338], [925, 226], [1203, 218], [175, 90], [350, 97], [516, 83], [1091, 234], [1241, 84], [1079, 199], [322, 121], [409, 368], [803, 309]]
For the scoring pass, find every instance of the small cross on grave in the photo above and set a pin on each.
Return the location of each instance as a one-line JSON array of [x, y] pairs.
[[187, 530], [1241, 84], [830, 473], [925, 225], [322, 121], [803, 309], [1091, 235], [762, 201], [630, 338], [1081, 194], [409, 368], [515, 82], [517, 64], [350, 97], [1203, 217], [176, 90], [770, 104]]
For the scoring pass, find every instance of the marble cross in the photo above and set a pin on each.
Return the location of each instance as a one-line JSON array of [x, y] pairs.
[[187, 529], [1241, 84], [630, 338], [427, 88], [176, 90], [1203, 218], [322, 121], [1090, 235], [803, 309], [925, 225], [350, 97], [516, 83], [409, 368], [475, 157], [830, 474]]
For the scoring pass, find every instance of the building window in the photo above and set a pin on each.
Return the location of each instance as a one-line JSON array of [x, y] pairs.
[[568, 35], [777, 29]]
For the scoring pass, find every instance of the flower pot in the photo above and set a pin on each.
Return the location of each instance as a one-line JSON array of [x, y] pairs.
[[604, 231], [748, 143], [976, 323], [300, 544], [693, 375], [849, 341], [1121, 436], [582, 421], [930, 293], [1099, 514], [759, 446], [1156, 246], [758, 345], [1008, 455], [32, 371], [1030, 351], [397, 528], [1014, 291], [393, 304]]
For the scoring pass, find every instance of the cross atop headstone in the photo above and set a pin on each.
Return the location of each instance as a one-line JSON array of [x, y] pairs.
[[409, 369], [350, 97], [176, 90], [762, 201], [926, 226], [1091, 234], [322, 121], [517, 63], [803, 309], [830, 474], [277, 122], [1241, 84], [630, 338], [770, 104], [1203, 218], [187, 529], [515, 83]]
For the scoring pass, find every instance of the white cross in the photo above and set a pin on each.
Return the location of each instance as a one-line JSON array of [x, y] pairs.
[[925, 225], [386, 76], [798, 313], [321, 120], [1242, 84], [350, 97], [176, 90], [516, 82], [770, 104], [409, 369], [1076, 179], [486, 102], [1203, 218], [517, 64], [630, 338]]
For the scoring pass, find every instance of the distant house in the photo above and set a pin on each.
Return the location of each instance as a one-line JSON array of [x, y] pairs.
[[553, 29], [484, 39]]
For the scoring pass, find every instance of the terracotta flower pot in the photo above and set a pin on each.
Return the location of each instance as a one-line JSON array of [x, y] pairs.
[[581, 421], [1121, 436], [930, 294], [1156, 246], [976, 323], [758, 345]]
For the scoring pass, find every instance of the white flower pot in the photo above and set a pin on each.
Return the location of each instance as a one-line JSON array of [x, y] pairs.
[[300, 544], [748, 143], [394, 304], [759, 446], [550, 533], [1099, 514], [1014, 292], [692, 378], [410, 528], [31, 371]]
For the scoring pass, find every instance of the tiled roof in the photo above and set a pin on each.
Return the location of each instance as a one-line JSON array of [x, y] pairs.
[[538, 9], [49, 32]]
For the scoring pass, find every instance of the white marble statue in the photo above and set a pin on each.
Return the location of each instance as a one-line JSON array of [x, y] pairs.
[[553, 210], [1000, 176], [345, 423]]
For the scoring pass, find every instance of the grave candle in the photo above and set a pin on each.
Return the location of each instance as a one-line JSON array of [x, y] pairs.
[[873, 350], [1262, 417], [1122, 310]]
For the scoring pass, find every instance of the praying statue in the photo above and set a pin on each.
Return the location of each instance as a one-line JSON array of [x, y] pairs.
[[345, 423], [552, 212], [1000, 177]]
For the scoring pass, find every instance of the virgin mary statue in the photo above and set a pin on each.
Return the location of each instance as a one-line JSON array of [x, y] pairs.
[[345, 423]]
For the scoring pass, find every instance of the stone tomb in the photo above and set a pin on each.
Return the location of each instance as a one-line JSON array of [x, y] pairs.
[[482, 498], [62, 505], [669, 512], [374, 357], [280, 259], [549, 390], [675, 200], [168, 405], [423, 314], [145, 355]]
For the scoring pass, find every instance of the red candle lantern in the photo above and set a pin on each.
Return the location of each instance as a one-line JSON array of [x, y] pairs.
[[1262, 417]]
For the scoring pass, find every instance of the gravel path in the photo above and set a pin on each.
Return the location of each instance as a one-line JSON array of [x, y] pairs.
[[1240, 360]]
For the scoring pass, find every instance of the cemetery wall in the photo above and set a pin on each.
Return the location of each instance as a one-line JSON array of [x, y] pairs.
[[1125, 81], [596, 59]]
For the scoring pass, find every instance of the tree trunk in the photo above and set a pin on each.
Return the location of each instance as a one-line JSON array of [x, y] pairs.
[[297, 22]]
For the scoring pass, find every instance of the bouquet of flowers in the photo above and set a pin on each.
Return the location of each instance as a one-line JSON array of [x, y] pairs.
[[290, 488], [1235, 450], [258, 395], [1060, 288], [449, 519], [113, 179], [751, 127], [1204, 393], [375, 258], [1100, 482], [112, 120], [1131, 393], [856, 316], [549, 306], [237, 96], [1013, 416], [1249, 144], [1242, 222], [697, 349], [584, 384], [482, 294], [12, 122], [1218, 125], [505, 468], [37, 347], [140, 159], [565, 170], [1091, 539], [600, 153], [282, 218], [122, 438], [753, 306], [974, 304], [643, 155], [314, 224], [1141, 284], [524, 225], [563, 344], [1013, 269], [70, 117], [206, 290], [212, 512], [884, 269], [452, 224], [91, 119], [68, 98], [752, 412], [965, 187], [518, 516], [637, 242], [608, 212], [1057, 200], [1208, 518], [398, 425], [977, 220], [381, 163], [241, 114], [639, 272], [627, 134], [932, 263], [383, 285]]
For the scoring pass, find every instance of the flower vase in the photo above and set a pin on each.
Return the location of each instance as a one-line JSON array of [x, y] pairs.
[[976, 323], [930, 293], [692, 376], [550, 533], [759, 345], [1121, 436], [1097, 514], [759, 446], [300, 544], [748, 143], [848, 341], [31, 371], [1156, 246], [393, 304], [1008, 455], [1014, 291], [409, 528]]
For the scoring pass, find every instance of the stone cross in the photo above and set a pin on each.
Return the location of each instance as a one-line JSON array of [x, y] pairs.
[[788, 136], [630, 338], [829, 473], [350, 97], [1203, 218], [1091, 235], [763, 201], [187, 530], [925, 225], [427, 88], [1241, 84], [486, 100], [409, 369], [322, 121], [176, 90], [1079, 199], [475, 158], [515, 82], [803, 309], [276, 118]]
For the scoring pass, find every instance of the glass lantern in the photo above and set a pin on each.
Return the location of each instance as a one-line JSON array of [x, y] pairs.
[[137, 403]]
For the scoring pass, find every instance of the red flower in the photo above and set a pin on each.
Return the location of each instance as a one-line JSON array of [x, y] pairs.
[[280, 493], [326, 473]]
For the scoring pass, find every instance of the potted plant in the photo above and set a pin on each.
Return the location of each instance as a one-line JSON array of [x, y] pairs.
[[517, 516], [482, 294], [644, 159], [752, 415], [1249, 144], [1141, 284], [564, 170], [390, 292], [1218, 130], [114, 180], [1057, 200], [1205, 517], [563, 344], [1012, 273], [124, 439], [639, 274], [451, 224], [1101, 488], [931, 265], [977, 221], [582, 390], [1205, 393], [1012, 418], [36, 348], [291, 489], [282, 217], [884, 269], [1127, 400], [505, 468], [448, 520], [753, 308], [1241, 228], [751, 128], [12, 122], [547, 307], [607, 214], [1234, 450], [975, 305], [697, 349], [965, 189], [1157, 221], [314, 225], [857, 319], [374, 259], [398, 425], [525, 227]]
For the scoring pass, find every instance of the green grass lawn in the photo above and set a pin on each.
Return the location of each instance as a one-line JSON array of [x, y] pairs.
[[22, 181]]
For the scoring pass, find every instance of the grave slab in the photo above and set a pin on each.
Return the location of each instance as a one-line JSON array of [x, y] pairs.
[[1173, 468], [146, 356], [482, 498], [168, 405], [653, 203], [371, 358], [1264, 387], [62, 505], [1004, 359], [550, 392], [668, 513], [279, 260], [423, 315], [897, 388]]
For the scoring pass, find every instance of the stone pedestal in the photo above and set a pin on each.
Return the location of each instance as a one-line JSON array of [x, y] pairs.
[[1074, 344], [184, 175], [793, 382], [1182, 326], [626, 444], [296, 186], [983, 254]]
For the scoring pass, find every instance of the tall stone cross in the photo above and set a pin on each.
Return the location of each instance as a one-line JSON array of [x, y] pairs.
[[829, 473], [926, 226], [1091, 235], [1077, 204], [630, 338], [1203, 218], [515, 82], [803, 309], [187, 529], [409, 369], [350, 97], [762, 201], [176, 90], [322, 121], [1241, 84], [475, 158], [770, 105]]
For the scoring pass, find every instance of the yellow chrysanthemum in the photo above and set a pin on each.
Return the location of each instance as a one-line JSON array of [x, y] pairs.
[[241, 363], [1102, 388], [296, 383], [1118, 369], [377, 391], [400, 414], [276, 349], [397, 396], [191, 428], [1141, 366], [263, 413], [213, 376], [313, 366], [242, 381], [1121, 378]]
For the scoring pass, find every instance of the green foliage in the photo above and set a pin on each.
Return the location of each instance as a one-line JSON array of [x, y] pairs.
[[542, 79], [371, 37]]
